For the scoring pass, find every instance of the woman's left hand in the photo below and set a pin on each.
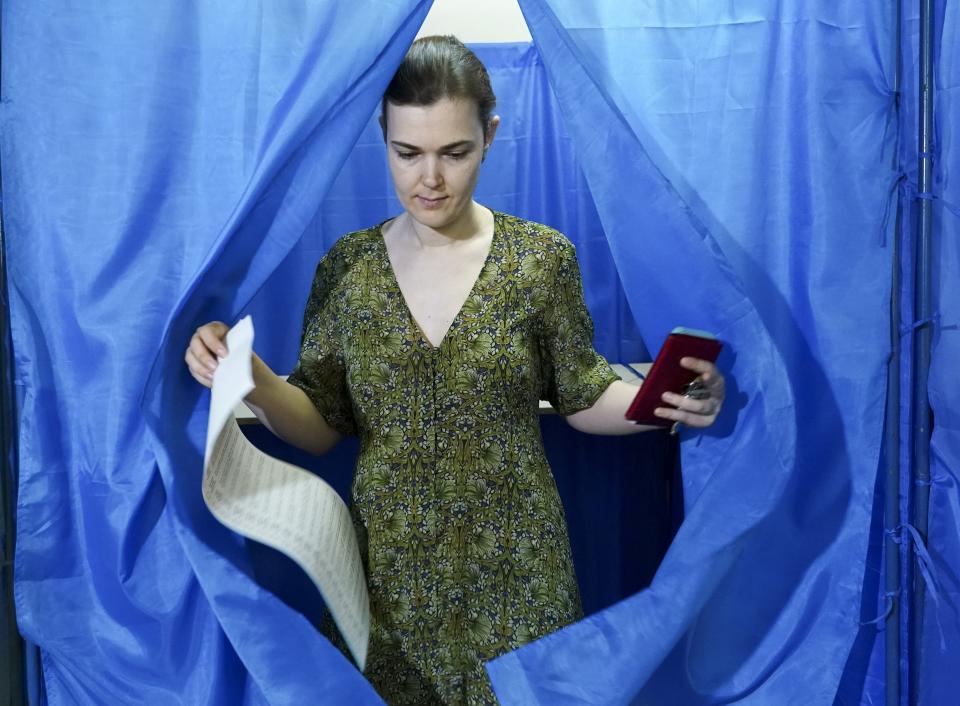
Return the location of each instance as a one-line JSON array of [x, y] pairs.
[[701, 405]]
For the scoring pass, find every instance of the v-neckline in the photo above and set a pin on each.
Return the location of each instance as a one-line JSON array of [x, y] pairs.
[[392, 274]]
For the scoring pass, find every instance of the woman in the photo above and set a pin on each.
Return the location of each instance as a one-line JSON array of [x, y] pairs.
[[432, 336]]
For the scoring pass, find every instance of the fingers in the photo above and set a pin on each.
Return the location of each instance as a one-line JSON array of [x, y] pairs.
[[199, 372], [212, 336], [707, 405], [693, 413], [709, 377], [704, 367], [690, 411], [201, 355]]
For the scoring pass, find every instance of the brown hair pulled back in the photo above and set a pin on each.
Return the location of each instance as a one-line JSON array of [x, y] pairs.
[[440, 67]]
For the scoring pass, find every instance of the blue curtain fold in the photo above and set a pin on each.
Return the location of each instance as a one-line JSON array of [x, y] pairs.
[[743, 164], [939, 681], [158, 162], [908, 151]]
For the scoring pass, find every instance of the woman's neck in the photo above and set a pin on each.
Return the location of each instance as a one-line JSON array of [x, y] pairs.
[[471, 224]]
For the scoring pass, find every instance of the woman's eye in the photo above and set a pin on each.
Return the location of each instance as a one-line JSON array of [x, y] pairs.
[[406, 155], [456, 155]]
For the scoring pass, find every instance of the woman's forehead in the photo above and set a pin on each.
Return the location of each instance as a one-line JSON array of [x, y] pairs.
[[441, 123]]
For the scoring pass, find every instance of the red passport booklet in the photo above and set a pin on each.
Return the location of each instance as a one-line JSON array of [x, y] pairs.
[[667, 375]]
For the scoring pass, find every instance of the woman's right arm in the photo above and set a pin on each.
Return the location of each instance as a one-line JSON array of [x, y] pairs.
[[283, 408]]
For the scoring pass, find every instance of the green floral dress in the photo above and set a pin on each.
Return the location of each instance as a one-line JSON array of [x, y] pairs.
[[460, 525]]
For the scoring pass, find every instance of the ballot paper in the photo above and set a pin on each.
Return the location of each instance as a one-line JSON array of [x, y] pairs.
[[279, 504]]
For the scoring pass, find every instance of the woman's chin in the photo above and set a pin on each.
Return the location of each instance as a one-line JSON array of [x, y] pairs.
[[434, 217]]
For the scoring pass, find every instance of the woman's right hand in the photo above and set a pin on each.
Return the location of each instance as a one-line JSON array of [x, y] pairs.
[[205, 345], [282, 407]]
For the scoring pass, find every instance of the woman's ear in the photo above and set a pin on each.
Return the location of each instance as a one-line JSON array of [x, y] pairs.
[[491, 130], [489, 133]]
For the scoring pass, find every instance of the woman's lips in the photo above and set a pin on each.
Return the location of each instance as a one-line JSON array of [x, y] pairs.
[[431, 203]]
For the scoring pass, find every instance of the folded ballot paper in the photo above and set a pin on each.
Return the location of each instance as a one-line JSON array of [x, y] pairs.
[[279, 504]]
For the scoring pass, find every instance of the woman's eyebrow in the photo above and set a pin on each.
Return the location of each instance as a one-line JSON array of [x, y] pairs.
[[451, 146]]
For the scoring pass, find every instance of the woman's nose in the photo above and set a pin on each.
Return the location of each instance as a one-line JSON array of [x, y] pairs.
[[431, 175]]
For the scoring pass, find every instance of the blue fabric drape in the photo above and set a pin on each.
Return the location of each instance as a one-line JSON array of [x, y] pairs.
[[939, 681], [159, 160], [907, 160], [742, 161]]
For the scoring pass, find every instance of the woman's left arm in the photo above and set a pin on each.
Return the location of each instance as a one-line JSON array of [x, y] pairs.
[[607, 415]]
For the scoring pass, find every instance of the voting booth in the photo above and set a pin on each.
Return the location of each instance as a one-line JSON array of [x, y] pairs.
[[766, 172]]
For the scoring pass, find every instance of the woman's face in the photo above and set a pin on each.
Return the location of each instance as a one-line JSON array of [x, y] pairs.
[[434, 152]]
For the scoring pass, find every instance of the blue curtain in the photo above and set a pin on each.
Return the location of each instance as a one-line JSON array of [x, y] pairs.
[[159, 161], [742, 159]]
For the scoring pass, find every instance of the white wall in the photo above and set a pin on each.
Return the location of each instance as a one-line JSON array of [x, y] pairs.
[[477, 21]]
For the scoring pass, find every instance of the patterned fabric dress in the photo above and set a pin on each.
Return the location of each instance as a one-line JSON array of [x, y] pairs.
[[460, 525]]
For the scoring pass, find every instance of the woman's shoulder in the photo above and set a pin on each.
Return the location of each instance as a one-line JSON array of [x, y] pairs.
[[339, 263], [533, 236], [357, 243]]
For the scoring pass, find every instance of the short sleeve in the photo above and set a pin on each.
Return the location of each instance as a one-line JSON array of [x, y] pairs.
[[321, 370], [575, 375]]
